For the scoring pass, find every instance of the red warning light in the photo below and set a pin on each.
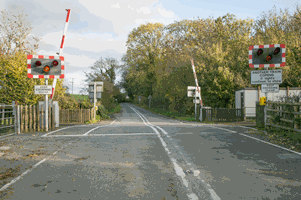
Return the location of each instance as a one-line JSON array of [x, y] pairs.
[[276, 51], [38, 63], [55, 63], [259, 52]]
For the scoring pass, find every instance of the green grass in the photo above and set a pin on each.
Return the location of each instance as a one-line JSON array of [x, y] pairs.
[[116, 109], [79, 97], [174, 115], [208, 122], [187, 118], [99, 118], [281, 137]]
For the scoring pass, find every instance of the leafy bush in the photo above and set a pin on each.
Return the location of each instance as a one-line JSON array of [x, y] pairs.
[[298, 121], [102, 112]]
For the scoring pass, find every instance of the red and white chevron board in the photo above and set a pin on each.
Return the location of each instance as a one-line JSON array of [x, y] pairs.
[[266, 46], [29, 75]]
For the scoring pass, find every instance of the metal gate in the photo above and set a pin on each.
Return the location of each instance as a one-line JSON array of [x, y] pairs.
[[8, 116]]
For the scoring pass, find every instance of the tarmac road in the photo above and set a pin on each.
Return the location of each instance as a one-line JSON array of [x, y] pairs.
[[141, 155]]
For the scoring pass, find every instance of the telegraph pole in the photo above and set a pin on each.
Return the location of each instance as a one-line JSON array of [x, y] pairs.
[[72, 86]]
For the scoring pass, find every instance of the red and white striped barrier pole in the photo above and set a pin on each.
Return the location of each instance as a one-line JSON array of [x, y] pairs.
[[61, 48], [196, 82], [198, 88]]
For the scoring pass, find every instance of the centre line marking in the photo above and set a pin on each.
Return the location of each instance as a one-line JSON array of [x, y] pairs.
[[178, 169], [128, 134]]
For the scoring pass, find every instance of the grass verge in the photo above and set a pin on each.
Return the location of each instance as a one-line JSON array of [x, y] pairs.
[[104, 115], [174, 115], [288, 139]]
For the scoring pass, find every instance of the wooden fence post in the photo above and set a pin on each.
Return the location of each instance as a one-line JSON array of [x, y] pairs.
[[34, 118], [30, 118], [295, 116], [26, 118], [81, 116], [21, 119], [3, 116]]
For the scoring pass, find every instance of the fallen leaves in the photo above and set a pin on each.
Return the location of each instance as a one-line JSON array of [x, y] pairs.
[[279, 138], [10, 172]]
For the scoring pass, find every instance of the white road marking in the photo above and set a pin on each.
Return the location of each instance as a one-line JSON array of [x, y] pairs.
[[247, 127], [99, 127], [91, 130], [270, 144], [7, 135], [214, 195], [29, 170], [177, 168], [127, 134], [228, 130], [55, 131], [19, 177]]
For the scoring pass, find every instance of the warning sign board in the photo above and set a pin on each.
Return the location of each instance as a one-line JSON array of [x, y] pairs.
[[43, 89], [266, 77], [270, 88]]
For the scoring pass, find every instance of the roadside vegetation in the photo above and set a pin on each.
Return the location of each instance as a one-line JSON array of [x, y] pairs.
[[103, 114], [288, 139], [161, 111], [281, 137]]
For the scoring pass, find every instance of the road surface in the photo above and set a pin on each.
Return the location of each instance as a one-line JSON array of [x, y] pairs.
[[141, 155]]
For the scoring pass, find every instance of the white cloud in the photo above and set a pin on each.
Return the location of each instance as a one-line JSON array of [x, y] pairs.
[[144, 10], [126, 16], [166, 13], [115, 5]]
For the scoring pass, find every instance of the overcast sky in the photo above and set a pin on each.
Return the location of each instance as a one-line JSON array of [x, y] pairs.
[[100, 28]]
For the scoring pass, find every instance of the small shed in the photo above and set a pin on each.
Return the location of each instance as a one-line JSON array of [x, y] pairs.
[[247, 97]]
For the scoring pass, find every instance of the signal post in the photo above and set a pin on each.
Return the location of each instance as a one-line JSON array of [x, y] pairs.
[[266, 56], [41, 66]]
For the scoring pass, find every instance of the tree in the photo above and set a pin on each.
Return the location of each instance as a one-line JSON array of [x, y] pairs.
[[15, 34], [144, 47], [157, 56], [105, 70]]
